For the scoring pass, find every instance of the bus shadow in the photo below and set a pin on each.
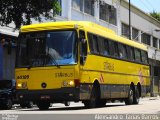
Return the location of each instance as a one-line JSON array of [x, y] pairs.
[[69, 108]]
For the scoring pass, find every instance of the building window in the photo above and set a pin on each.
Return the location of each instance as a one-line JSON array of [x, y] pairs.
[[108, 13], [135, 34], [77, 4], [89, 7], [145, 38], [125, 30], [154, 42], [112, 15], [104, 12], [86, 6]]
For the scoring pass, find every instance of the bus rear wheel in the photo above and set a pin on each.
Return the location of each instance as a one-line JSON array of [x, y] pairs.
[[43, 105], [136, 97], [129, 100]]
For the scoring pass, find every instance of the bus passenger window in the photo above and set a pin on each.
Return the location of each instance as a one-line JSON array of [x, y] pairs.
[[122, 51], [103, 46], [130, 53], [137, 55], [93, 43], [106, 47], [144, 57], [111, 48], [116, 54]]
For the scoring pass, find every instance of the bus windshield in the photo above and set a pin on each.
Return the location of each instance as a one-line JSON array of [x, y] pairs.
[[51, 48]]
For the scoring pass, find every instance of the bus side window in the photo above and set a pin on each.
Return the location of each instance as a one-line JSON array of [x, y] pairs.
[[137, 55], [122, 51], [130, 53], [93, 43], [106, 47], [113, 48], [83, 47], [116, 53], [82, 34], [144, 57], [103, 46]]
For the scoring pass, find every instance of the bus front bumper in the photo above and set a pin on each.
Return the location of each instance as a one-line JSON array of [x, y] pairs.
[[55, 95]]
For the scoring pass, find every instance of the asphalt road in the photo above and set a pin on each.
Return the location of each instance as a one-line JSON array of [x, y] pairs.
[[148, 109]]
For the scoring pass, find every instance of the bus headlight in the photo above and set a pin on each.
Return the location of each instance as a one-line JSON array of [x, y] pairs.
[[71, 83], [22, 85], [19, 85]]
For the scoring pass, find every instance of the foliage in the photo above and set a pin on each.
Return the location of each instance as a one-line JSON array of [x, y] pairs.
[[155, 15], [21, 12]]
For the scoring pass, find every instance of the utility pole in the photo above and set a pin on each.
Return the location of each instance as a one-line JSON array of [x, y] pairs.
[[129, 19]]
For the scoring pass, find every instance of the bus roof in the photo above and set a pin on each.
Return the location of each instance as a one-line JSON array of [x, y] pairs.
[[88, 26]]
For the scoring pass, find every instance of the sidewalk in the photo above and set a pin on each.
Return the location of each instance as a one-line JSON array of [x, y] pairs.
[[150, 98]]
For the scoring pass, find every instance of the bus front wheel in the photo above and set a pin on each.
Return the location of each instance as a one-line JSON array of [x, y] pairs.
[[42, 105], [129, 100], [92, 102]]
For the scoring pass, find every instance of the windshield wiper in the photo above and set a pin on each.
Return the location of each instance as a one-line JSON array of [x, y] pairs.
[[53, 59]]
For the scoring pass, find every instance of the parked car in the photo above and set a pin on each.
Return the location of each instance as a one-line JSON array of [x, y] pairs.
[[8, 95]]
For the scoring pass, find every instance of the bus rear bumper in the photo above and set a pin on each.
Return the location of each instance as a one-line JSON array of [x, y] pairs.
[[56, 95]]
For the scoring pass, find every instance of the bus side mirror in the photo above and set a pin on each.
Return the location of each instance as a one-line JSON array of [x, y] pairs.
[[83, 51]]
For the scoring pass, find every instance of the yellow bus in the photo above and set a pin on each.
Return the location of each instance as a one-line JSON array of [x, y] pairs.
[[79, 61]]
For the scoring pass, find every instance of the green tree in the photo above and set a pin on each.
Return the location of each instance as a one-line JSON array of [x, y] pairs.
[[155, 15], [21, 12]]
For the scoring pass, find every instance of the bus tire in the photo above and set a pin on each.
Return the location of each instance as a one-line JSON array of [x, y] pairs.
[[28, 104], [67, 103], [9, 104], [129, 100], [43, 105], [92, 102], [136, 97], [102, 103]]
